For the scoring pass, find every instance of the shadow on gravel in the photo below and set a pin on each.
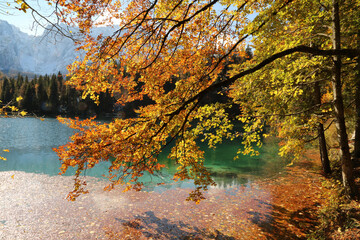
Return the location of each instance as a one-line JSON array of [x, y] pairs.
[[282, 223], [149, 226]]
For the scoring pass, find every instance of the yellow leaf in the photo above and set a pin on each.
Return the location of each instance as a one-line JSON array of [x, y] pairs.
[[23, 113], [290, 164], [12, 108], [6, 150], [18, 99], [24, 6], [12, 176]]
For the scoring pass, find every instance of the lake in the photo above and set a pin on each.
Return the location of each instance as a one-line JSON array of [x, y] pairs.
[[30, 141], [33, 201]]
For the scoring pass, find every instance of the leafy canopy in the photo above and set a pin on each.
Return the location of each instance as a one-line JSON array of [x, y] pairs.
[[189, 46]]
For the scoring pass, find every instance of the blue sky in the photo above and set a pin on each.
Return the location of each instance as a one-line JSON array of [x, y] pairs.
[[25, 21]]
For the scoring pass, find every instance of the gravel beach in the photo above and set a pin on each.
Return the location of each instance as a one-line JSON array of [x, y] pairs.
[[34, 206]]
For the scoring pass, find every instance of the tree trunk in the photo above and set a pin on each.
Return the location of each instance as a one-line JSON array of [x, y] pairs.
[[346, 164], [322, 141], [357, 106]]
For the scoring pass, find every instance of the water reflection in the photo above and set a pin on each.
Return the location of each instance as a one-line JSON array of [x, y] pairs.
[[31, 140]]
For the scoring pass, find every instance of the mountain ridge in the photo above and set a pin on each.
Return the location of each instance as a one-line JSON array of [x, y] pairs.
[[45, 54]]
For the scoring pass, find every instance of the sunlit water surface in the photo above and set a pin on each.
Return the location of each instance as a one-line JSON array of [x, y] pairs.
[[30, 142]]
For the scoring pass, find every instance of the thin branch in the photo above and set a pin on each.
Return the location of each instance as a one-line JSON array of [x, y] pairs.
[[53, 25], [299, 49], [317, 136], [206, 7]]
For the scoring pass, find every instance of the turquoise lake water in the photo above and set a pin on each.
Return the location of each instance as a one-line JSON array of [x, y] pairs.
[[31, 140]]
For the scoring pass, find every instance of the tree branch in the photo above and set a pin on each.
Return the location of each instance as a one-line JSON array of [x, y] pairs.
[[351, 53]]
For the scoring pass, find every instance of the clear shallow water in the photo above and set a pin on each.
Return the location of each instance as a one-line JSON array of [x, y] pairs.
[[31, 140]]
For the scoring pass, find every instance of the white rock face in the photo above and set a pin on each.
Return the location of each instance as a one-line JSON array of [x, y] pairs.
[[9, 50], [45, 54]]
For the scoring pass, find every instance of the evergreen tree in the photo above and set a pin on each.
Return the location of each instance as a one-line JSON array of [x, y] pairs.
[[30, 98], [6, 91], [53, 95]]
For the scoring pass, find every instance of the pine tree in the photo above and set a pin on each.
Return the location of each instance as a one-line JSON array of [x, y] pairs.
[[53, 95]]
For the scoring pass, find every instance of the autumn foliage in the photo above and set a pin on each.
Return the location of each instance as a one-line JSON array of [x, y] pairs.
[[175, 53], [153, 46]]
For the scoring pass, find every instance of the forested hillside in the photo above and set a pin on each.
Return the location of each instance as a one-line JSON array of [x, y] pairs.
[[48, 95]]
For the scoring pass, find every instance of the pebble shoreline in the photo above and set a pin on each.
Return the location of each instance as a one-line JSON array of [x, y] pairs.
[[33, 206]]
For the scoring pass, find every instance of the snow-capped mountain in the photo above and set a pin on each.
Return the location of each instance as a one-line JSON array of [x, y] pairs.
[[45, 54]]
